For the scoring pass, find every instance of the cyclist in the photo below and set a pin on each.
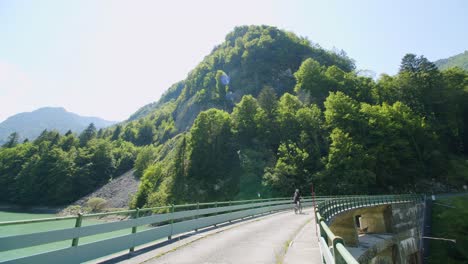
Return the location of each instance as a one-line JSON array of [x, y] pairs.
[[297, 201]]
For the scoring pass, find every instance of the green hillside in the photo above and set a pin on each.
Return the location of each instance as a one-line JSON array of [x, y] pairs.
[[264, 113], [459, 60], [252, 57]]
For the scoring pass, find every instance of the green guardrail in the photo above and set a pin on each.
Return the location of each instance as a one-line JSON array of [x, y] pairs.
[[333, 248], [158, 223]]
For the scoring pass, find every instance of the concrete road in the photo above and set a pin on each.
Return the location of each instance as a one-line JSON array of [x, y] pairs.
[[304, 248], [265, 240]]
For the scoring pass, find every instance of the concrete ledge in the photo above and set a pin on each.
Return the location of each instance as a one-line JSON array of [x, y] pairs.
[[381, 246]]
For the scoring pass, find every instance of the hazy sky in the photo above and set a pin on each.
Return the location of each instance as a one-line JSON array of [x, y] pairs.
[[108, 58]]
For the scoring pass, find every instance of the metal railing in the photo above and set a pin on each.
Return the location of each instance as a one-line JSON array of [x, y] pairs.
[[332, 247], [144, 226]]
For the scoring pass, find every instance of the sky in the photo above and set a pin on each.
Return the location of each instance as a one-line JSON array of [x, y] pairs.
[[108, 58]]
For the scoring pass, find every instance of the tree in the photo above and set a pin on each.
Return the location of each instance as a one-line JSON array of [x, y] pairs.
[[311, 78], [145, 157], [420, 83], [222, 80], [145, 134], [213, 158], [149, 181], [248, 120], [69, 141], [342, 112], [124, 154], [287, 108], [268, 101], [103, 160], [311, 138], [117, 132], [12, 162], [289, 172], [452, 117], [347, 166], [57, 186], [399, 141], [87, 134], [12, 140], [180, 188], [130, 134]]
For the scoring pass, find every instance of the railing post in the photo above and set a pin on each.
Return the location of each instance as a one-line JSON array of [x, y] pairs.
[[172, 220], [196, 216], [79, 219], [134, 228], [216, 213], [322, 231], [332, 208], [336, 254], [230, 203]]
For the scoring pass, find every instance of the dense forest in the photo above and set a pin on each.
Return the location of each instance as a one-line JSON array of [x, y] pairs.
[[264, 113]]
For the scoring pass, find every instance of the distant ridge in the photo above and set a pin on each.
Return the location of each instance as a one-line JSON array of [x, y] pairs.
[[459, 60], [30, 124]]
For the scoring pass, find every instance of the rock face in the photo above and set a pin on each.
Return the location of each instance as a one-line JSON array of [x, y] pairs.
[[118, 192]]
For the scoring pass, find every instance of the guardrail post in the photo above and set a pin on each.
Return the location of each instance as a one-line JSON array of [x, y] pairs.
[[172, 220], [134, 228], [327, 208], [229, 210], [196, 216], [336, 254], [335, 207], [321, 230], [216, 213], [79, 219]]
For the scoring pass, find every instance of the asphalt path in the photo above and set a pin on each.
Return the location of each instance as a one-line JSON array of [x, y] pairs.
[[265, 240]]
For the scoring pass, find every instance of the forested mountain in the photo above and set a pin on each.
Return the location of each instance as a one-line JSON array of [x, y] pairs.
[[249, 59], [30, 124], [264, 113], [459, 60]]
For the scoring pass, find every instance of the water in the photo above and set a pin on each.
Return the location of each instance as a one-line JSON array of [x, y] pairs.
[[46, 226]]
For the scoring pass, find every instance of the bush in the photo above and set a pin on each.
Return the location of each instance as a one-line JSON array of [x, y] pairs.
[[96, 204]]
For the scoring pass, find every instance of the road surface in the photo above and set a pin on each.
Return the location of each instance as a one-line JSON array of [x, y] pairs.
[[280, 238]]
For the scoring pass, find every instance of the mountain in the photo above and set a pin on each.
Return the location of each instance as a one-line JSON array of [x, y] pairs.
[[264, 113], [250, 58], [459, 60], [30, 124]]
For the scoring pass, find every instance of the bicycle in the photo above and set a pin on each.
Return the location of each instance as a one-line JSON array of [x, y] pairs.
[[298, 207]]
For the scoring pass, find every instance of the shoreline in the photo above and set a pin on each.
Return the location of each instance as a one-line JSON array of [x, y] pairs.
[[30, 209]]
